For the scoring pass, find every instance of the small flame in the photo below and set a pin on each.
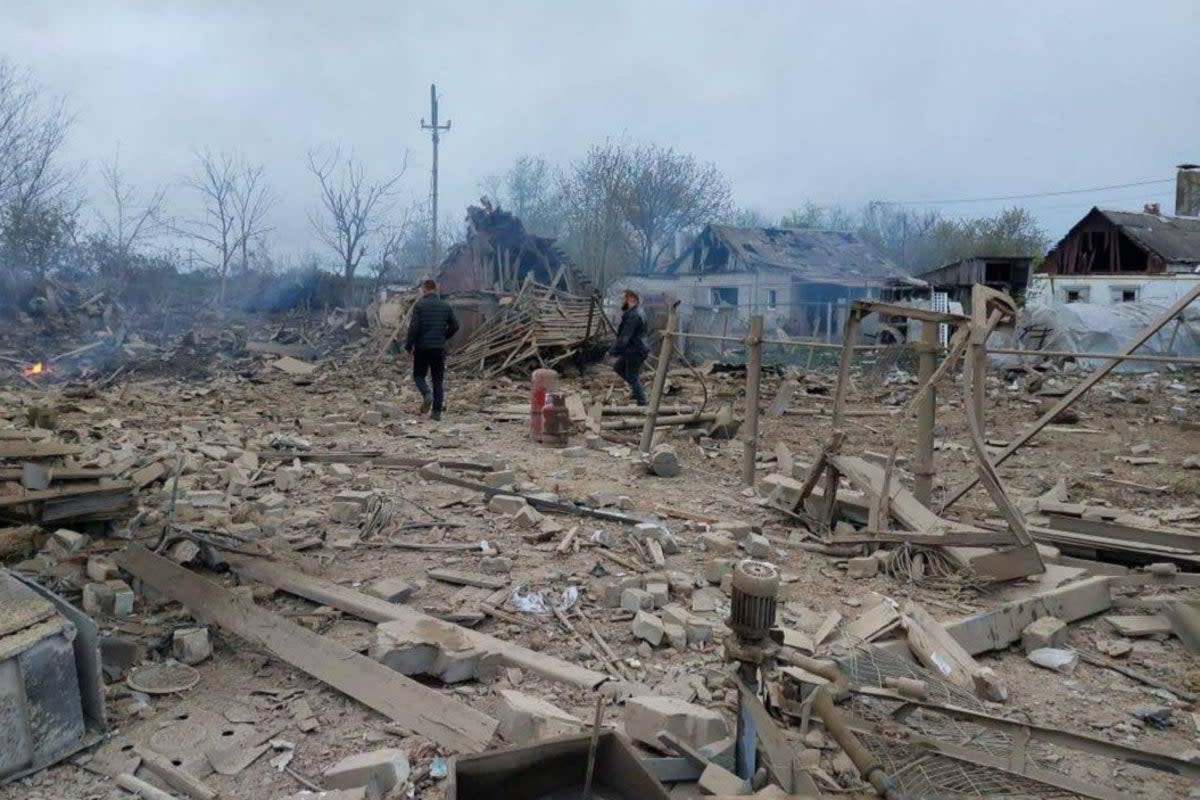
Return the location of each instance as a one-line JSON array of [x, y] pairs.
[[34, 369]]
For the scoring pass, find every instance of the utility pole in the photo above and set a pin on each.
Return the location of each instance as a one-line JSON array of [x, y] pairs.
[[435, 131]]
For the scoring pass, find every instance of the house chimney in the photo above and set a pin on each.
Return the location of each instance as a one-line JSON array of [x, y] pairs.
[[1187, 190]]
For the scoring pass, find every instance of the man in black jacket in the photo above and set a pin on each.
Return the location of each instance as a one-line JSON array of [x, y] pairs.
[[432, 325], [630, 347]]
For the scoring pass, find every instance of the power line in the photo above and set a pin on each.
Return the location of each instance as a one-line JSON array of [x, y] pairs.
[[1021, 196]]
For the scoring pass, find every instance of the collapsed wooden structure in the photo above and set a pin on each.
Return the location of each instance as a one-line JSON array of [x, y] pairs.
[[539, 326]]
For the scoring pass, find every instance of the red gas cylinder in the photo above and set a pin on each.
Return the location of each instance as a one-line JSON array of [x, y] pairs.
[[543, 382], [556, 422]]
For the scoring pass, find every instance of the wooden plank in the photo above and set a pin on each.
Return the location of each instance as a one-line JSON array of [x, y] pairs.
[[872, 623], [462, 578], [936, 648], [1081, 388], [450, 723], [373, 609], [783, 399], [20, 449], [64, 493], [1136, 626], [895, 309]]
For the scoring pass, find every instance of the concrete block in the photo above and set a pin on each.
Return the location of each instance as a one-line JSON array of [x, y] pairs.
[[717, 543], [758, 546], [527, 517], [1043, 632], [378, 771], [359, 498], [69, 541], [506, 504], [784, 493], [344, 512], [97, 598], [495, 565], [101, 569], [696, 629], [122, 598], [340, 472], [649, 627], [1063, 661], [500, 478], [718, 568], [660, 591], [864, 567], [191, 645], [525, 718], [736, 528], [393, 590], [646, 715], [676, 636], [206, 499], [400, 645], [635, 600]]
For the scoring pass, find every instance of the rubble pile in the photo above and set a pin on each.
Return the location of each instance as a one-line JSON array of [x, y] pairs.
[[304, 589]]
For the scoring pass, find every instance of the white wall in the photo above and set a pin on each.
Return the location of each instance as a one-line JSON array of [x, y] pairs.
[[1104, 290]]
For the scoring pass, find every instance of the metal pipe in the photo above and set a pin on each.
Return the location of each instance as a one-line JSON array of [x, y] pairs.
[[859, 755], [746, 748]]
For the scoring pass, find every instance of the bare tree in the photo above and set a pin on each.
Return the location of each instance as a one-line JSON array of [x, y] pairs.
[[235, 202], [32, 133], [353, 207], [130, 221], [39, 204], [595, 192], [530, 189], [252, 200], [669, 192]]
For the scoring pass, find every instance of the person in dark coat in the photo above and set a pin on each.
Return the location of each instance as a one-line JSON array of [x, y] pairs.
[[630, 347], [433, 324]]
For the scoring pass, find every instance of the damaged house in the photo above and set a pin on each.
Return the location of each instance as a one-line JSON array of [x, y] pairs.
[[800, 280], [498, 254], [1111, 257]]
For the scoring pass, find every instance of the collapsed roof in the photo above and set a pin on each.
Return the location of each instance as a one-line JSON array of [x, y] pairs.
[[499, 254], [812, 255]]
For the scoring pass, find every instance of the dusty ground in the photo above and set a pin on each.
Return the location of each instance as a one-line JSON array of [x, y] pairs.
[[248, 694]]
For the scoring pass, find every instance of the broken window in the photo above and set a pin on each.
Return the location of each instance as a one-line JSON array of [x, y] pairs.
[[1077, 295], [1124, 295], [772, 299], [724, 296]]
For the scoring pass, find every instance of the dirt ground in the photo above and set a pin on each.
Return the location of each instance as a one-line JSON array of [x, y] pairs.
[[247, 696]]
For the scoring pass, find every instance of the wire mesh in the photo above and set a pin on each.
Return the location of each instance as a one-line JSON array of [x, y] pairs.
[[922, 775], [919, 772]]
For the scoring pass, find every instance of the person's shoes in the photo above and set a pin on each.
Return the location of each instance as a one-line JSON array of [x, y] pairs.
[[436, 416], [426, 404]]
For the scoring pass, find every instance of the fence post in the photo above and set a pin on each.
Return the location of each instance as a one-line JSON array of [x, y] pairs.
[[927, 354], [660, 380], [753, 380]]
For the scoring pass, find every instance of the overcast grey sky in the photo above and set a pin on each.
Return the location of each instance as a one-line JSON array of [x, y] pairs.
[[834, 102]]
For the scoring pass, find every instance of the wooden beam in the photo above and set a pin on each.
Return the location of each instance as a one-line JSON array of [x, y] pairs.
[[936, 648], [753, 382], [373, 609], [660, 379], [451, 724]]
